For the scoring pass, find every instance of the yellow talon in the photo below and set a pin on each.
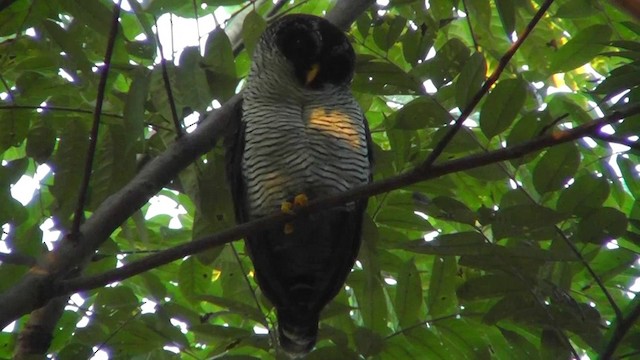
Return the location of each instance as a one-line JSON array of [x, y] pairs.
[[301, 200], [288, 228], [286, 207]]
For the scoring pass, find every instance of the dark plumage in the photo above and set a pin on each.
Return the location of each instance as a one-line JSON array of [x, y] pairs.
[[302, 136]]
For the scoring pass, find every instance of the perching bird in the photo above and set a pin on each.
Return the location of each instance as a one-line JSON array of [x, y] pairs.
[[302, 137]]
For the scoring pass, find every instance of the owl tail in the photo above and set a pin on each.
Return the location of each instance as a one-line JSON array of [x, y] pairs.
[[297, 331]]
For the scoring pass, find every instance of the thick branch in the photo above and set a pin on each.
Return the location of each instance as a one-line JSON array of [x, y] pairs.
[[34, 289], [396, 182], [30, 293]]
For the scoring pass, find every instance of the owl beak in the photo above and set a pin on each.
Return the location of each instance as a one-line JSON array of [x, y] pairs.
[[312, 73]]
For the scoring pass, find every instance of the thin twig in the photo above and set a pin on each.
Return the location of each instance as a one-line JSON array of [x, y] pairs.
[[504, 61], [468, 17], [430, 321], [78, 217], [58, 108], [9, 91], [167, 85]]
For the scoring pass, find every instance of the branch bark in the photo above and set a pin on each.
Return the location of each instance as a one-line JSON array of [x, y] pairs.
[[35, 289]]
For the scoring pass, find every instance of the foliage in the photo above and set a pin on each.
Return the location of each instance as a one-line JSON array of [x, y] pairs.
[[531, 258]]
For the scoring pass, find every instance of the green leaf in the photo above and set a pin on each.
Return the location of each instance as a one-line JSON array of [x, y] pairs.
[[490, 286], [507, 13], [252, 28], [502, 106], [441, 299], [243, 309], [41, 140], [573, 9], [137, 338], [470, 80], [421, 113], [416, 43], [630, 176], [381, 77], [134, 108], [368, 342], [191, 81], [532, 220], [95, 14], [371, 300], [363, 24], [408, 300], [403, 219], [581, 48], [441, 9], [387, 33], [620, 80], [556, 167], [115, 304], [219, 65], [462, 142], [76, 351], [194, 278], [447, 208], [526, 129], [601, 225], [521, 347], [553, 346], [14, 126], [12, 171], [68, 166], [586, 193], [492, 172], [446, 65], [69, 45]]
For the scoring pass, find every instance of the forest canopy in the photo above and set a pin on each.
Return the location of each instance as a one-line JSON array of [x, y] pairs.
[[503, 221]]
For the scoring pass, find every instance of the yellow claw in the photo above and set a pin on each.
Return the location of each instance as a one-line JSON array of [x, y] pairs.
[[301, 200], [286, 207], [288, 228]]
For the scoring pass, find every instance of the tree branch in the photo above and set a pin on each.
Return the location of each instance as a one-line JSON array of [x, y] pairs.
[[35, 288], [396, 182]]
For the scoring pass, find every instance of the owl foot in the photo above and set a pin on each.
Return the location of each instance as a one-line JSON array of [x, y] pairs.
[[288, 207]]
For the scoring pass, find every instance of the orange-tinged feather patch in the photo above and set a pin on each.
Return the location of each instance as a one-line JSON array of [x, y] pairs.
[[336, 124]]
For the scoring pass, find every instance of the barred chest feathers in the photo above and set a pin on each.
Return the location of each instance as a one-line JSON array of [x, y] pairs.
[[290, 148]]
